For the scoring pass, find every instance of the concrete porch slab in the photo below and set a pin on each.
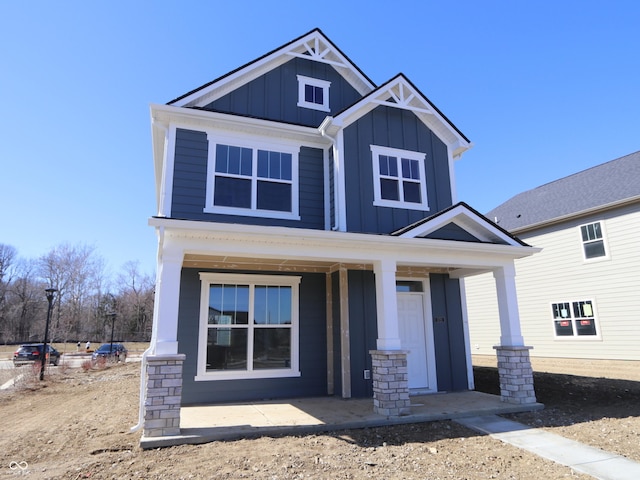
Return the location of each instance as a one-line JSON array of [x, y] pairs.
[[201, 424]]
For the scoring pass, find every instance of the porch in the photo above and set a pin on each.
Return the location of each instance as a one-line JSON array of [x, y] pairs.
[[201, 424]]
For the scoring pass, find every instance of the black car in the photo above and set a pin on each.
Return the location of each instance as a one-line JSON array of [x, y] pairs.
[[118, 352], [32, 352]]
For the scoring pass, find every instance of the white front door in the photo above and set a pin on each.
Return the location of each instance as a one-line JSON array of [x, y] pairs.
[[413, 337]]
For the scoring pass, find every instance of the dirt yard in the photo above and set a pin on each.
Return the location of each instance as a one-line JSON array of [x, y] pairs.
[[75, 425]]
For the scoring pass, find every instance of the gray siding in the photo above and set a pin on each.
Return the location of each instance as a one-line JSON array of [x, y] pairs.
[[274, 96], [190, 183], [313, 351], [395, 128], [453, 232]]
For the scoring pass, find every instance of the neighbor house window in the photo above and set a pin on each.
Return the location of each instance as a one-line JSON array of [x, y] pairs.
[[252, 180], [574, 319], [399, 178], [313, 93], [248, 326], [593, 241]]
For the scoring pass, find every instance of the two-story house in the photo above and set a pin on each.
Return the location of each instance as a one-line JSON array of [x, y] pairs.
[[310, 241], [579, 297]]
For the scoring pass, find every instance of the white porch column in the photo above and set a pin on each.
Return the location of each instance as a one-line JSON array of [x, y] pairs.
[[511, 334], [387, 305], [166, 303]]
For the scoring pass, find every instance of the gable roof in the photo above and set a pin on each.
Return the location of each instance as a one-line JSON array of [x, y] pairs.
[[598, 188], [313, 45], [399, 92], [464, 217]]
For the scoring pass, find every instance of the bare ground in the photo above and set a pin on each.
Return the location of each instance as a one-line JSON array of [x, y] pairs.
[[74, 425]]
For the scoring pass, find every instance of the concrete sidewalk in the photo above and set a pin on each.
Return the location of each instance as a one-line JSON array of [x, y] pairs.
[[581, 458], [208, 423]]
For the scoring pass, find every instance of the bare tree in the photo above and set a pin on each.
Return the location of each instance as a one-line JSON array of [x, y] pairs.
[[8, 256]]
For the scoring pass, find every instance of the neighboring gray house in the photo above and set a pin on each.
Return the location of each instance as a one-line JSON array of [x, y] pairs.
[[579, 297], [310, 242]]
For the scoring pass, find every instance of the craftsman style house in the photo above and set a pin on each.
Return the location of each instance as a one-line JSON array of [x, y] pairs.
[[310, 241], [579, 297]]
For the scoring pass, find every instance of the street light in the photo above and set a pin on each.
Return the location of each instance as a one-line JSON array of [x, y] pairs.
[[113, 321], [43, 359]]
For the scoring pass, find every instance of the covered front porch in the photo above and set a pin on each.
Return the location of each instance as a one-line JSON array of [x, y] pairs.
[[201, 424]]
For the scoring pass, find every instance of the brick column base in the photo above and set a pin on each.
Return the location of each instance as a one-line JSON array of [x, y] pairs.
[[390, 383], [163, 396], [516, 375]]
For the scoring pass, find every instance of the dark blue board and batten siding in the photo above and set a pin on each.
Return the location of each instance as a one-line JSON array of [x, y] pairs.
[[313, 348], [190, 185], [274, 95], [394, 128]]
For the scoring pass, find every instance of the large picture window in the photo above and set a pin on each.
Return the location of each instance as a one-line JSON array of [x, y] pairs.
[[258, 180], [399, 178], [248, 326], [574, 319]]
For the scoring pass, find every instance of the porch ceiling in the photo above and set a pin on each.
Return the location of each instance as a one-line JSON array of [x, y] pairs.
[[227, 262]]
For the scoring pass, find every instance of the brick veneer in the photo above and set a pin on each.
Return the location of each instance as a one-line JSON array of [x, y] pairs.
[[163, 396], [390, 382], [516, 375]]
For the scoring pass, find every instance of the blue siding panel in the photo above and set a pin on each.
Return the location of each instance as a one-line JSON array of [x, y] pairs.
[[448, 330], [313, 349], [274, 95], [190, 185], [395, 128]]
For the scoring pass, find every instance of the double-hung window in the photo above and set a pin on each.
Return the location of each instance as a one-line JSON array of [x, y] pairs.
[[593, 241], [574, 319], [256, 180], [399, 178], [248, 326], [313, 93]]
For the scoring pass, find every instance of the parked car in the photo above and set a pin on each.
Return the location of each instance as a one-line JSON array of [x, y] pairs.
[[119, 352], [32, 352]]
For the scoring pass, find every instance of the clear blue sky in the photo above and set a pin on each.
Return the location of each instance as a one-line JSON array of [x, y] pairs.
[[543, 88]]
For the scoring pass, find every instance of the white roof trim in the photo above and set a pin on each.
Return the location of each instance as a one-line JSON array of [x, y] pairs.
[[399, 93], [466, 219], [313, 46]]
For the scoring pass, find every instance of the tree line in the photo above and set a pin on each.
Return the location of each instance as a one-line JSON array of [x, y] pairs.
[[84, 299]]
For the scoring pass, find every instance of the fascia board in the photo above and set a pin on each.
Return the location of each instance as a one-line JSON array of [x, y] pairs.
[[252, 70], [295, 243], [424, 110], [206, 120], [465, 219]]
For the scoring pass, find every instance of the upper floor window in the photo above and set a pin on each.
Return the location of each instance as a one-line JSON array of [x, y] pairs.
[[250, 180], [593, 241], [574, 319], [313, 93], [399, 178]]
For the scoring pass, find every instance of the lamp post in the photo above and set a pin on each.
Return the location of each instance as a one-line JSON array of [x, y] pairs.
[[113, 321], [43, 359]]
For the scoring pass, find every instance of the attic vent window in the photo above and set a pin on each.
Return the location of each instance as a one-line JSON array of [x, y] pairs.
[[313, 93]]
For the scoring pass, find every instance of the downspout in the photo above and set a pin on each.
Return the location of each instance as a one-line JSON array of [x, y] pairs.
[[152, 344], [336, 191]]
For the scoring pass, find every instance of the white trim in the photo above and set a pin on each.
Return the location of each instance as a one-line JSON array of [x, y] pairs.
[[376, 151], [206, 279], [340, 187], [313, 82], [254, 144]]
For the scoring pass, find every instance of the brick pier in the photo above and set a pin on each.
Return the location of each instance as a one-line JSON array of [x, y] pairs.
[[516, 375], [390, 383], [163, 395]]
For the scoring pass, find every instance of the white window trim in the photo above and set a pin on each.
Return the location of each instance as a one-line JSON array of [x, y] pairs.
[[604, 242], [576, 337], [254, 145], [206, 279], [376, 151], [315, 82]]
